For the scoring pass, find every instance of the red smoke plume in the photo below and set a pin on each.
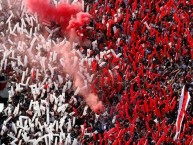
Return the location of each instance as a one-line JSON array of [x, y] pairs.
[[61, 14], [80, 20]]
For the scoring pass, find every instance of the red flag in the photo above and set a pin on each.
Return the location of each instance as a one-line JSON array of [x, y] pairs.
[[191, 52], [33, 74], [46, 86], [134, 6], [75, 111], [94, 66], [161, 139], [191, 142]]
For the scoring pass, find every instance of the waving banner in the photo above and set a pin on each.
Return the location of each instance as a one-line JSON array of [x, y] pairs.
[[184, 99]]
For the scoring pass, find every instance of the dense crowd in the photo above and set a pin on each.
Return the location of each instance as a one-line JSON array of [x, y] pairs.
[[136, 55]]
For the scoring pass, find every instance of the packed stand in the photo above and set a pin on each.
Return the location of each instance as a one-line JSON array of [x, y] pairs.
[[152, 61], [141, 55]]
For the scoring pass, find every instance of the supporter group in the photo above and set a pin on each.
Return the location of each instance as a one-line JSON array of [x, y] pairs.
[[122, 75]]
